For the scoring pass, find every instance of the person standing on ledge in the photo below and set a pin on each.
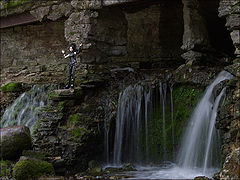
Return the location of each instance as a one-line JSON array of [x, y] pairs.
[[72, 64]]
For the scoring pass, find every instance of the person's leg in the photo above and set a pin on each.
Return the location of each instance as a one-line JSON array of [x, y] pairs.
[[69, 78], [73, 76]]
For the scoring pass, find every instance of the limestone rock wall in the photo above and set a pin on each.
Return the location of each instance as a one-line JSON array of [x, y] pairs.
[[230, 9], [32, 53]]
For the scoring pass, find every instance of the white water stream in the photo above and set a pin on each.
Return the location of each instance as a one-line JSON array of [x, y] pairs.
[[199, 154], [24, 110]]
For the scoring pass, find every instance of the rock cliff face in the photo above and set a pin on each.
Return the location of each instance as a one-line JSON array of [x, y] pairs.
[[131, 40]]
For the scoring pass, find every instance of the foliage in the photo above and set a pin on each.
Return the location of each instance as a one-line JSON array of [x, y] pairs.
[[5, 168]]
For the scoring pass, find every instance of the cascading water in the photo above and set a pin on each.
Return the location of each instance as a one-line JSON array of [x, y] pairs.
[[25, 108], [200, 145], [199, 153], [138, 105]]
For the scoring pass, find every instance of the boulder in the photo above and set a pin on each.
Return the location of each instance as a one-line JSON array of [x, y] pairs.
[[13, 141], [27, 168]]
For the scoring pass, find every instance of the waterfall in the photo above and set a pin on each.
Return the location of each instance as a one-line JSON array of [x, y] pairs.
[[172, 118], [163, 93], [147, 97], [128, 122], [141, 108], [25, 108], [200, 145]]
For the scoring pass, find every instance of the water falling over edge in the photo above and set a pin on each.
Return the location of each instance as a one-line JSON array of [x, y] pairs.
[[187, 167], [24, 110]]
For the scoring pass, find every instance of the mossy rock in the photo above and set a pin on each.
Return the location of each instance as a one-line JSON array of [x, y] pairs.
[[32, 169], [78, 133], [12, 87], [95, 171]]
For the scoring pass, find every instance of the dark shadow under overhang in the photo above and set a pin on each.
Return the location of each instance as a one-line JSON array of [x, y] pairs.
[[18, 19]]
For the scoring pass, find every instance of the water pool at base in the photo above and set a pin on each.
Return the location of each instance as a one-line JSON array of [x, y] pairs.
[[167, 171]]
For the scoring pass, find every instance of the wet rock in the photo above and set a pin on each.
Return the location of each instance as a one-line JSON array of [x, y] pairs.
[[231, 166], [201, 178], [234, 69], [14, 140]]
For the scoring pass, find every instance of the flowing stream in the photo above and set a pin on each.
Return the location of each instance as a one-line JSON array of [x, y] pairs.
[[24, 110], [199, 153]]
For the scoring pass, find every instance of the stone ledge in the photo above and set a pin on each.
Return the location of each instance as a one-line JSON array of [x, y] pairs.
[[66, 94]]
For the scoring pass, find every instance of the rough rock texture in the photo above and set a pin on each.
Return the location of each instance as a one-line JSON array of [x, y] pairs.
[[32, 53], [53, 11], [195, 32], [231, 166], [68, 131], [228, 120], [231, 10], [13, 141], [128, 39]]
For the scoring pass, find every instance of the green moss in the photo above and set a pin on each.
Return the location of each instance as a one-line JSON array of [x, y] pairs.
[[52, 95], [237, 5], [78, 133], [13, 3], [5, 168], [35, 127], [27, 169], [61, 106], [74, 119], [12, 87], [185, 99]]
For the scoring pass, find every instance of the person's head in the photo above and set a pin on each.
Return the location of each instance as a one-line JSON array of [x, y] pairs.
[[72, 47]]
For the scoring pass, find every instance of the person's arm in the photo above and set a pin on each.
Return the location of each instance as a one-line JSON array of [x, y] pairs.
[[79, 50], [65, 56]]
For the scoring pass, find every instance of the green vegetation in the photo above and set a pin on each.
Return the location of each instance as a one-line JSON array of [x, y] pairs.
[[236, 5], [52, 95], [32, 168], [5, 168], [78, 132], [74, 119], [12, 3], [12, 87], [185, 99]]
